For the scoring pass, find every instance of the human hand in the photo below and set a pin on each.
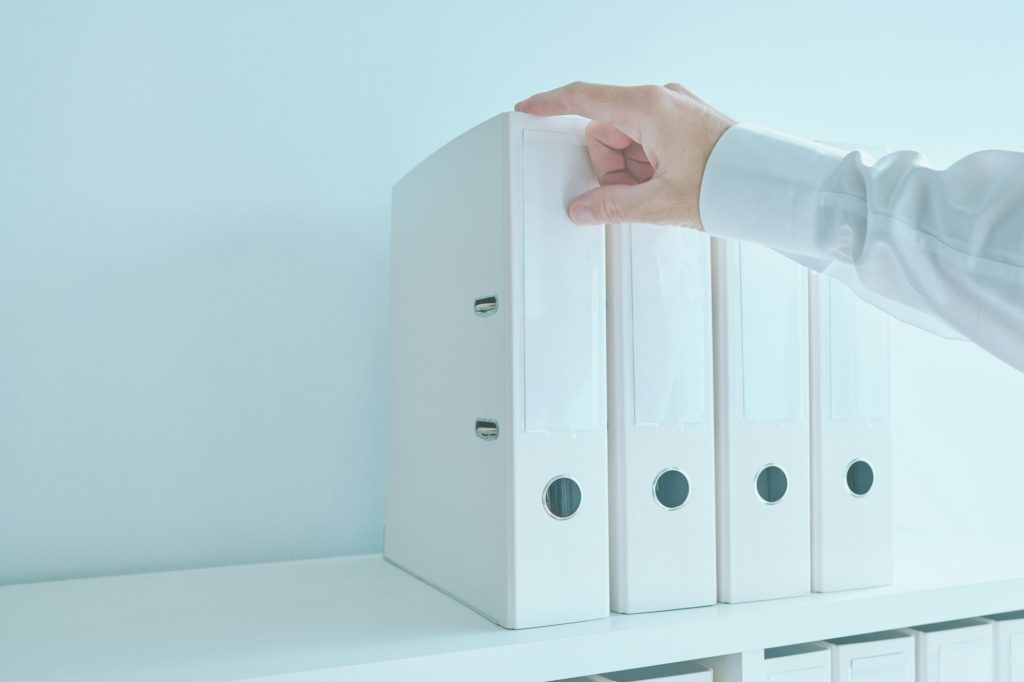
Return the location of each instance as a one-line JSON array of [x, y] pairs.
[[648, 145]]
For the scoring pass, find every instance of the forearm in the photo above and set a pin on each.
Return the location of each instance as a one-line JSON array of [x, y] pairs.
[[949, 244]]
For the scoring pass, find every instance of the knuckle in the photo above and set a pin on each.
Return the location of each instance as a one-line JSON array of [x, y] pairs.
[[573, 91], [651, 96], [611, 210], [652, 92]]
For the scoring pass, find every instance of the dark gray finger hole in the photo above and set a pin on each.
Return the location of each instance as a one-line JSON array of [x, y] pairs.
[[671, 488], [772, 484], [562, 497], [860, 477]]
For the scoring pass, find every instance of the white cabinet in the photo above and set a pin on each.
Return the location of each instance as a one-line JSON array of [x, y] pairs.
[[798, 663], [1009, 646], [956, 651], [809, 662], [876, 657]]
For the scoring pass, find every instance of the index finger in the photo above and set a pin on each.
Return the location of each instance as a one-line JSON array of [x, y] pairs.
[[625, 107]]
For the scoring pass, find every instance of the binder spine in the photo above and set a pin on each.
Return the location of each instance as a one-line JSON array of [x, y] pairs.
[[559, 516], [661, 452], [851, 458], [762, 438]]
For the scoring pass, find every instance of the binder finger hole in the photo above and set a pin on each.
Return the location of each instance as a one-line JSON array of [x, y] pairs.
[[772, 483], [671, 488], [562, 497], [860, 477]]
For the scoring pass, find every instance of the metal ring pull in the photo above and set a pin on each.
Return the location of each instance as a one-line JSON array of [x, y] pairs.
[[487, 429], [488, 305]]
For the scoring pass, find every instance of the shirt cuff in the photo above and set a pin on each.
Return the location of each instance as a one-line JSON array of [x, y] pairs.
[[762, 186]]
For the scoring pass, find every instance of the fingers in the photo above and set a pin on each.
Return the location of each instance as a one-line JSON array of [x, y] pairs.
[[607, 146], [638, 166], [627, 107], [644, 202], [608, 136], [648, 146], [617, 159]]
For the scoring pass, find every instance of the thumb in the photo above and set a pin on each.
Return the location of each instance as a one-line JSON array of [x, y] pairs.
[[640, 203]]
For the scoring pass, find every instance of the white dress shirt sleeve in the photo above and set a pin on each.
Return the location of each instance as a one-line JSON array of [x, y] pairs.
[[940, 249]]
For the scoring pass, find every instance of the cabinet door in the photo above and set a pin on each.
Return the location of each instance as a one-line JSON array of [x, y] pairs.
[[815, 674], [966, 661], [1015, 657], [883, 668], [807, 667]]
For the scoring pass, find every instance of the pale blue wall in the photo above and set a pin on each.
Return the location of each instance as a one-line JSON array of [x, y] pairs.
[[193, 242]]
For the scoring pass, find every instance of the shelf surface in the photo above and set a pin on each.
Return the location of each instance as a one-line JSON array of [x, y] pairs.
[[360, 618]]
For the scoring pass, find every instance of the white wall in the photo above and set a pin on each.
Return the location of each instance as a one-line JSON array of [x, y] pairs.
[[193, 242]]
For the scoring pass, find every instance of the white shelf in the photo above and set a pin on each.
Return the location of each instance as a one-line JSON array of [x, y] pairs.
[[359, 618]]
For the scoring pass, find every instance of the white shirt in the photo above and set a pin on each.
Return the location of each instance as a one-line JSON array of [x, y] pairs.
[[941, 249]]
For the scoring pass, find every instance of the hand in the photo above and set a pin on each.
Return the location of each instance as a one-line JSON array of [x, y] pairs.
[[648, 145]]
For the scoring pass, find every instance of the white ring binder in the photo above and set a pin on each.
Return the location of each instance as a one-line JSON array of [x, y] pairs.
[[484, 219], [761, 423], [851, 445], [660, 418]]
